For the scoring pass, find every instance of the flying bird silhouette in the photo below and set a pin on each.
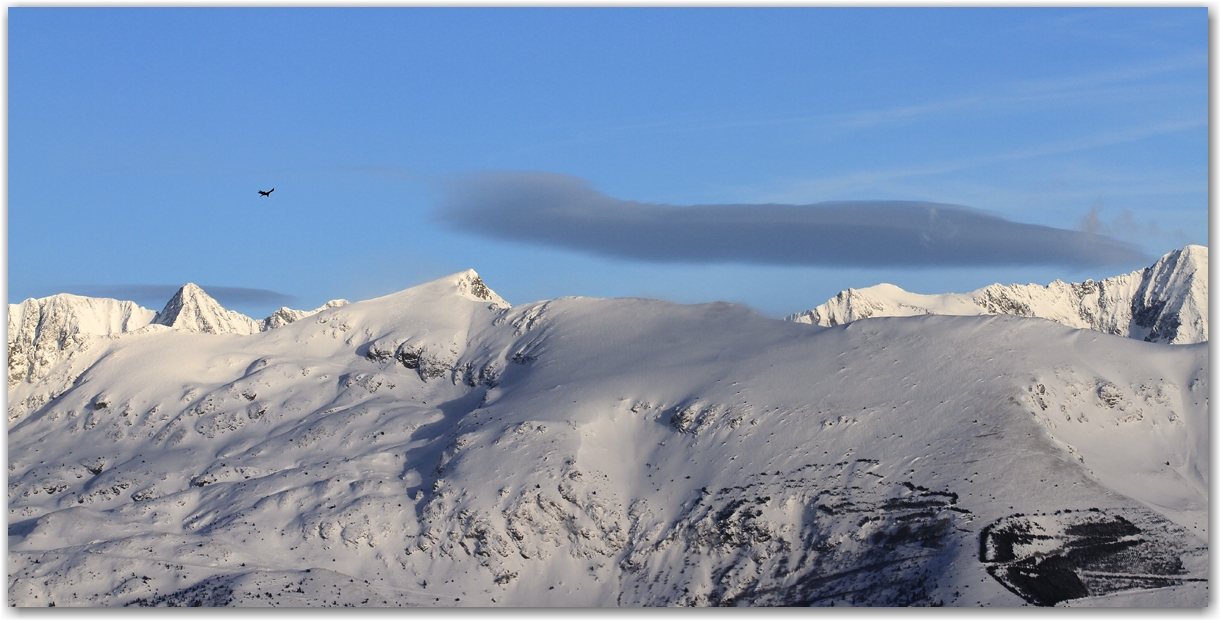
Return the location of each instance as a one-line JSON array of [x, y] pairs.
[[266, 193]]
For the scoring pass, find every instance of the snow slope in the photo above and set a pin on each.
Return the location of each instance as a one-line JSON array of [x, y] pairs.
[[1166, 302], [438, 447]]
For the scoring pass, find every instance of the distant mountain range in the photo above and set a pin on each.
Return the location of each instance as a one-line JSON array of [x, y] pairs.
[[1166, 302]]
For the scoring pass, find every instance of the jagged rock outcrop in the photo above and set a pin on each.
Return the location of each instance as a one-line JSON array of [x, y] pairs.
[[471, 285], [1166, 302], [286, 315]]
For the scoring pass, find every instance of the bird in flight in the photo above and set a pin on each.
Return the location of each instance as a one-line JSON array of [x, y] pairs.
[[266, 193]]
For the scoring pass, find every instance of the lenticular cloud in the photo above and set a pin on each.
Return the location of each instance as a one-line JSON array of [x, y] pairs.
[[566, 212]]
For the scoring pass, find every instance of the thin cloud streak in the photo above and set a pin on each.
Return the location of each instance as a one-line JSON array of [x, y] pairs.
[[864, 180], [560, 211], [1009, 95], [1026, 92], [1124, 74], [151, 293], [1107, 85]]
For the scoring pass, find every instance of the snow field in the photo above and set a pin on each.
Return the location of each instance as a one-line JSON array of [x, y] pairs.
[[437, 447]]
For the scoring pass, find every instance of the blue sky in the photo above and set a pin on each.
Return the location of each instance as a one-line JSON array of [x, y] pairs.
[[139, 137]]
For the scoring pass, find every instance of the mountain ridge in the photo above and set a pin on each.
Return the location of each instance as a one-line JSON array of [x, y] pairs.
[[43, 331], [1165, 302]]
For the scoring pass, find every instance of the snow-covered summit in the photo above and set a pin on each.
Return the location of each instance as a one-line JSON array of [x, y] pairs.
[[466, 284], [192, 309], [1165, 302], [469, 283], [1171, 303]]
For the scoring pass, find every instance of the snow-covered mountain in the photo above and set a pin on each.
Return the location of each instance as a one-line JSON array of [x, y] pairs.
[[194, 310], [41, 332], [1166, 302], [439, 447]]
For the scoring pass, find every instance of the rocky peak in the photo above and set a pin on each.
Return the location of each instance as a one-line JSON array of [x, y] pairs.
[[469, 284], [286, 315], [192, 309], [1171, 302]]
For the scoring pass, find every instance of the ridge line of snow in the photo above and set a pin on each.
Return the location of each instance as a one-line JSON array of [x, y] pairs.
[[1165, 302]]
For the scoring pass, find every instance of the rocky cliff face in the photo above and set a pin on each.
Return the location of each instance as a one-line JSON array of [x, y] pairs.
[[41, 332], [1166, 302], [1171, 302]]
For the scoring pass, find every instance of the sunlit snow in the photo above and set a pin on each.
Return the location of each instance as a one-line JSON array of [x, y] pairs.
[[439, 447]]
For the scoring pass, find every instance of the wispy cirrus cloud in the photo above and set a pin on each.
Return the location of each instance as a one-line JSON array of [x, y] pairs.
[[565, 212], [1112, 85], [864, 180], [1108, 87]]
